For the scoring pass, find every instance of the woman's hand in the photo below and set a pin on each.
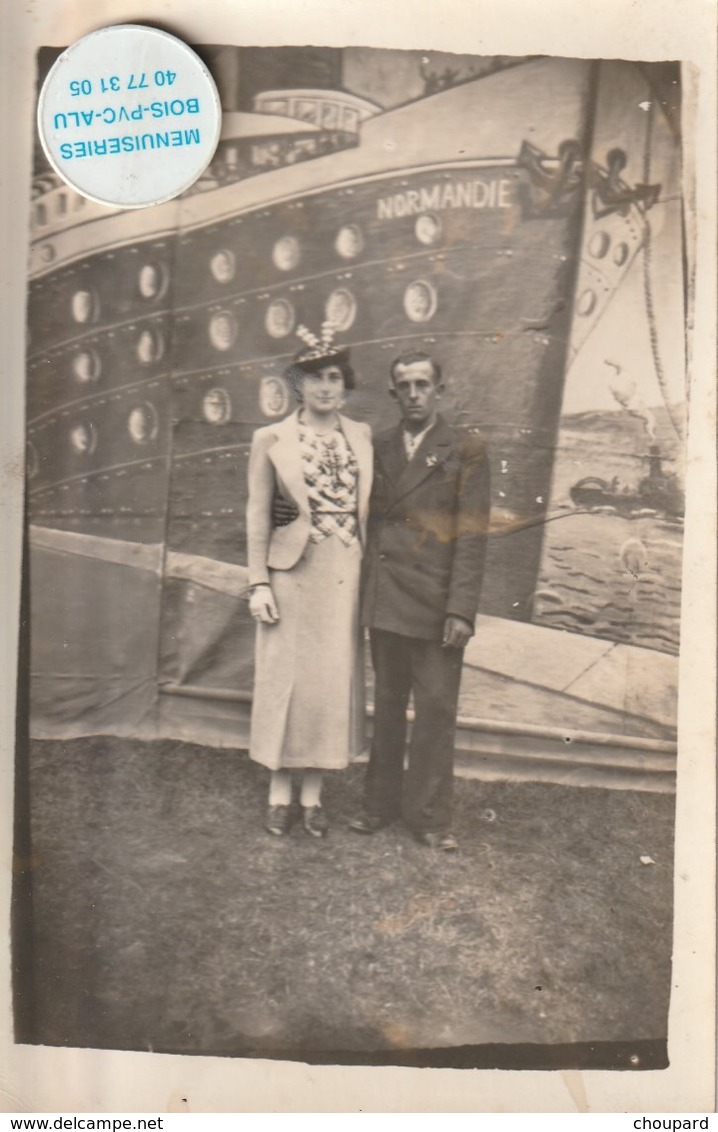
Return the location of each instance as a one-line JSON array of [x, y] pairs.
[[262, 605]]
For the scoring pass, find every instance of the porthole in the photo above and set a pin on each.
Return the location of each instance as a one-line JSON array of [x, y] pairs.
[[47, 253], [223, 266], [150, 347], [620, 255], [427, 229], [349, 242], [86, 366], [341, 309], [152, 280], [420, 301], [279, 319], [599, 244], [222, 330], [143, 423], [586, 302], [83, 439], [273, 397], [286, 253], [84, 306], [217, 406]]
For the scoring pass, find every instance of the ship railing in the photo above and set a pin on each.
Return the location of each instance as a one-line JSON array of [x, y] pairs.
[[59, 207]]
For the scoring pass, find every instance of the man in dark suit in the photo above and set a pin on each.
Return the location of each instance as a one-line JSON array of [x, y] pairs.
[[423, 569]]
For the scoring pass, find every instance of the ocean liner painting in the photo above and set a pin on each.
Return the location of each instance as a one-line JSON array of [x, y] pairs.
[[493, 212]]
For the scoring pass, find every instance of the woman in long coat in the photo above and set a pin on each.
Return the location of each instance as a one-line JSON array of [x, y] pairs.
[[308, 702]]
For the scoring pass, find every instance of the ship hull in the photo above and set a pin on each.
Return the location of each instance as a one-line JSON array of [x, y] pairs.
[[158, 341]]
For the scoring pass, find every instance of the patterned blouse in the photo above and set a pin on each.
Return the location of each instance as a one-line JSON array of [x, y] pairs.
[[331, 474]]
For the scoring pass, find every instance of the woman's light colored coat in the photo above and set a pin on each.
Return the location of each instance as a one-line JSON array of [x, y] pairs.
[[275, 462], [308, 705]]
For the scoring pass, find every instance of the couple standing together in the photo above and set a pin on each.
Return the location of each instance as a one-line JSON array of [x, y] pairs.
[[343, 533]]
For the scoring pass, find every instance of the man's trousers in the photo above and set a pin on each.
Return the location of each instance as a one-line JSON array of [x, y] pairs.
[[422, 793]]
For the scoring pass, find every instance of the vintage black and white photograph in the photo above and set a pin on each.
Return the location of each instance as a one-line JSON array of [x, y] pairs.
[[355, 507]]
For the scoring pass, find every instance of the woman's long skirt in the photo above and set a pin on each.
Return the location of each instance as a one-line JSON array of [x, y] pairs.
[[308, 702]]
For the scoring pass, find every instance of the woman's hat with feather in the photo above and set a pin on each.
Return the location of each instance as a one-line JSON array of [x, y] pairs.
[[319, 351]]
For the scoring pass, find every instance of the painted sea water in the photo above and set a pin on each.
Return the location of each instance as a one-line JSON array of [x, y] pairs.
[[611, 565]]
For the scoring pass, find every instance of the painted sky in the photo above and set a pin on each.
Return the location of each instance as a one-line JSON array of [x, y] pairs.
[[622, 335]]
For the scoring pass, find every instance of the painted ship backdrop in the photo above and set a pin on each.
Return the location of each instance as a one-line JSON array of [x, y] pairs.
[[518, 218]]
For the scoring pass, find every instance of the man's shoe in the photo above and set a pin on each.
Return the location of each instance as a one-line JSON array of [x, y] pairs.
[[315, 821], [278, 820], [446, 842], [368, 823]]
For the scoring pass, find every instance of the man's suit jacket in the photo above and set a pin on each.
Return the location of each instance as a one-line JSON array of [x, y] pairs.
[[428, 525], [275, 463]]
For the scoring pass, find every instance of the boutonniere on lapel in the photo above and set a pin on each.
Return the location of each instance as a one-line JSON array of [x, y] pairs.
[[432, 460]]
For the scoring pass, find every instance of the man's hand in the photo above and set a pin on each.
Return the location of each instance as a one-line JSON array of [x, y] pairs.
[[283, 512], [457, 632], [262, 605]]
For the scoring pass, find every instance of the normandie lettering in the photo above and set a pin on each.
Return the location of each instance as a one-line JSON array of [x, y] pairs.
[[466, 194]]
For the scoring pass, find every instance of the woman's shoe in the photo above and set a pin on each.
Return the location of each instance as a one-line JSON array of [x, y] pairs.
[[315, 821], [278, 820]]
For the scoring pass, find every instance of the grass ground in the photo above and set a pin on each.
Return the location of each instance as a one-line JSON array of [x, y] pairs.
[[164, 917]]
